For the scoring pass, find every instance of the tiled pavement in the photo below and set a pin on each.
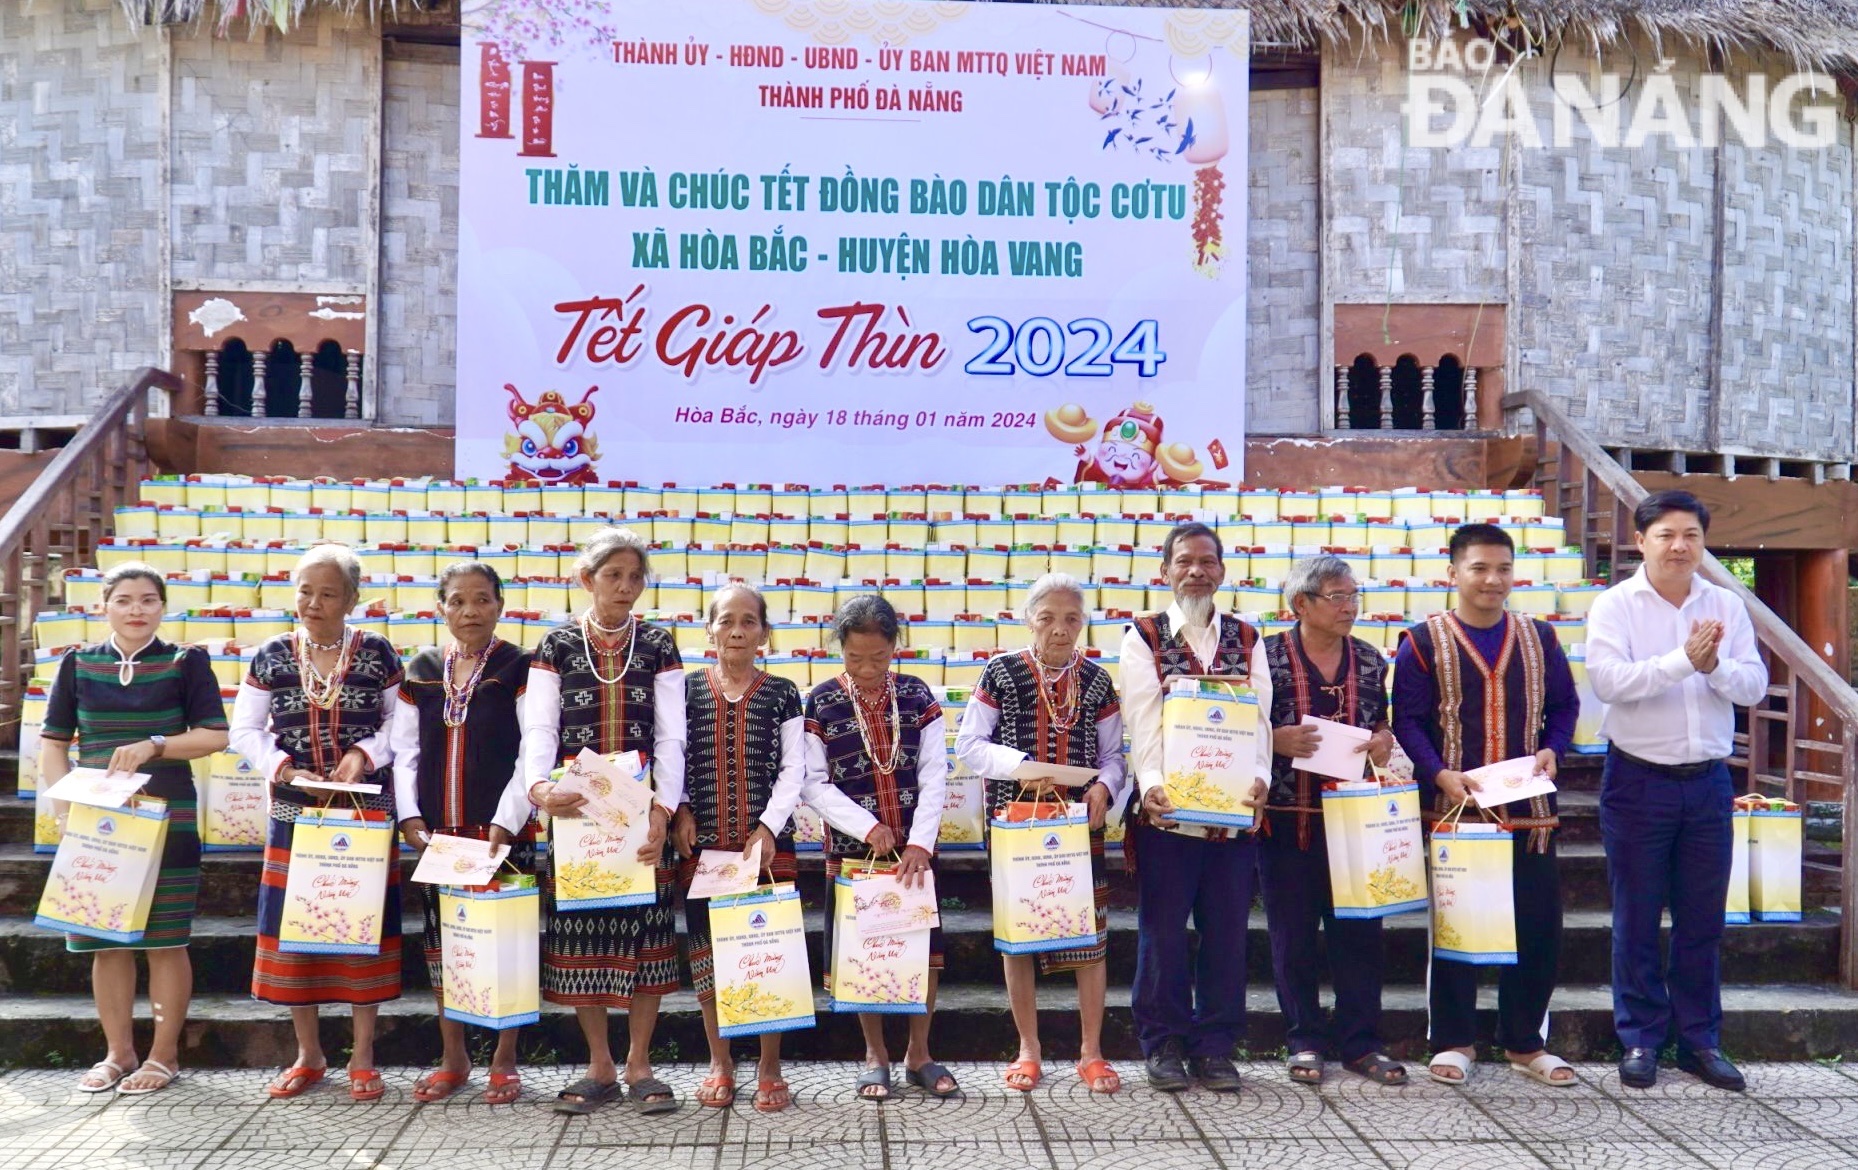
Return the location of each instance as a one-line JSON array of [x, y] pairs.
[[1801, 1116]]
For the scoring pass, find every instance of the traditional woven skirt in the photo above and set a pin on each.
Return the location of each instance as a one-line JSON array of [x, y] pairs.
[[1001, 793], [602, 958], [522, 856], [177, 888], [697, 951], [308, 980], [833, 863]]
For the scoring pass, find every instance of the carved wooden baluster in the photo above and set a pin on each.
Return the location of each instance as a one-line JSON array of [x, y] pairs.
[[351, 407], [212, 382], [1473, 419], [1342, 421], [1386, 398], [304, 391], [1425, 391], [259, 358]]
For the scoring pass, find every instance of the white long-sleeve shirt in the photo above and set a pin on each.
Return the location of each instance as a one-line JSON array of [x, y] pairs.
[[251, 734], [974, 746], [1142, 694], [403, 737], [854, 820], [541, 750], [1659, 707]]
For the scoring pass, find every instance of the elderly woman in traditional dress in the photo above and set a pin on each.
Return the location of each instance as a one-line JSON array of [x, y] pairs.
[[456, 747], [135, 703], [1318, 669], [613, 684], [877, 737], [1048, 704], [744, 776], [315, 706]]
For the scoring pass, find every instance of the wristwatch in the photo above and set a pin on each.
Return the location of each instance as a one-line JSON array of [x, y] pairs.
[[161, 745]]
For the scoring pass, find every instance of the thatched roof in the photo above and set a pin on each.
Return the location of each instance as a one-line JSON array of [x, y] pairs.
[[1815, 32]]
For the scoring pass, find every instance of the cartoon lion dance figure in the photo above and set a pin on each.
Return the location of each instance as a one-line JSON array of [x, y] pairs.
[[551, 443]]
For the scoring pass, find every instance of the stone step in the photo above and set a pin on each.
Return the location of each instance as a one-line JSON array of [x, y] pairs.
[[1771, 1022], [229, 881], [34, 960]]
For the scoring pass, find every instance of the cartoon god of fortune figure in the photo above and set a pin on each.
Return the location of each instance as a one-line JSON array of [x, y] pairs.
[[1129, 453]]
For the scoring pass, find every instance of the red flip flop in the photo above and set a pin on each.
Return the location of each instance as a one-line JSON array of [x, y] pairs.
[[366, 1085], [504, 1088], [309, 1078], [437, 1085]]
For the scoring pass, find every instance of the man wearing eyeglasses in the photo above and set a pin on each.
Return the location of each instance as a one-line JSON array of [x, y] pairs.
[[1472, 687], [1318, 669]]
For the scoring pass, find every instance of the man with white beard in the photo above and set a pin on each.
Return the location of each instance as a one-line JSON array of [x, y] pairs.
[[1189, 1014]]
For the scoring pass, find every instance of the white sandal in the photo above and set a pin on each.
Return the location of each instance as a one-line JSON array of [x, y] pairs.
[[168, 1077], [112, 1074], [1450, 1058], [1541, 1068]]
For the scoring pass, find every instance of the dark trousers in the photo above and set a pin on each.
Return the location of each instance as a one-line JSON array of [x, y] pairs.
[[1524, 987], [1668, 843], [1200, 1002], [1296, 901]]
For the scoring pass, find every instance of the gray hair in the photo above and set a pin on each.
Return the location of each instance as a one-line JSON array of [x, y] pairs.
[[1308, 576], [330, 553], [605, 544], [1047, 585]]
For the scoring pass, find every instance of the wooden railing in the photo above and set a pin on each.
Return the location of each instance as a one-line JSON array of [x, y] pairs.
[[1586, 486], [60, 519]]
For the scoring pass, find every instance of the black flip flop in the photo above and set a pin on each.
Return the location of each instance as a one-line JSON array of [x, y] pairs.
[[640, 1092], [593, 1094], [928, 1076], [870, 1077]]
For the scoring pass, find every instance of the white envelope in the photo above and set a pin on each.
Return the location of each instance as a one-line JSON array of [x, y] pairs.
[[332, 786], [94, 786], [458, 861], [722, 872], [616, 793], [1063, 775], [1509, 780], [884, 905], [1335, 756]]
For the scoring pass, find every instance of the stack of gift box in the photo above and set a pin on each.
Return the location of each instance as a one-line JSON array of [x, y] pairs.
[[956, 560]]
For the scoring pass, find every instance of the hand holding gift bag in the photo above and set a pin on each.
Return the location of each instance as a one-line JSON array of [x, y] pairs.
[[102, 882], [1377, 859], [1473, 893], [874, 972], [1044, 897], [491, 953], [336, 889], [1775, 831], [1209, 752], [763, 983]]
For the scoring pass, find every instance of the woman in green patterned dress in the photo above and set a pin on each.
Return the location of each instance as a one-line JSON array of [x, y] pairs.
[[135, 703]]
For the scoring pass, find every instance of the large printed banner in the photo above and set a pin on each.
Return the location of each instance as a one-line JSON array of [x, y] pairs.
[[831, 241]]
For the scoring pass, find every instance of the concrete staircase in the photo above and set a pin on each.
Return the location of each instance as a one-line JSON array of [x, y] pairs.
[[1782, 999]]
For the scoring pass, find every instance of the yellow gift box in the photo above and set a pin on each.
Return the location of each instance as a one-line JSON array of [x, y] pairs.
[[763, 983], [963, 531], [135, 522], [469, 530], [709, 528], [102, 881], [945, 564], [1209, 753], [522, 497], [1473, 899], [205, 491]]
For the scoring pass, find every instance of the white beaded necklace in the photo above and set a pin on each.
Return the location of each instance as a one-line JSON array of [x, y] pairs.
[[865, 731], [587, 644]]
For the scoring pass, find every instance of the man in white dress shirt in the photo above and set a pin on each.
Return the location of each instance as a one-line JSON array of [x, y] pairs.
[[1671, 654], [1189, 1013]]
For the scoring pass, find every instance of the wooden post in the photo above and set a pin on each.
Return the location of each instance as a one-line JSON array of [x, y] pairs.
[[351, 407], [1473, 409], [1425, 395], [212, 383], [259, 358], [1821, 611], [1342, 421], [304, 391], [1386, 398]]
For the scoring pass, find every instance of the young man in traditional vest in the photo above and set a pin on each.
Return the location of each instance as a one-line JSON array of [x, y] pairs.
[[1672, 654], [1189, 1013], [1474, 687]]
